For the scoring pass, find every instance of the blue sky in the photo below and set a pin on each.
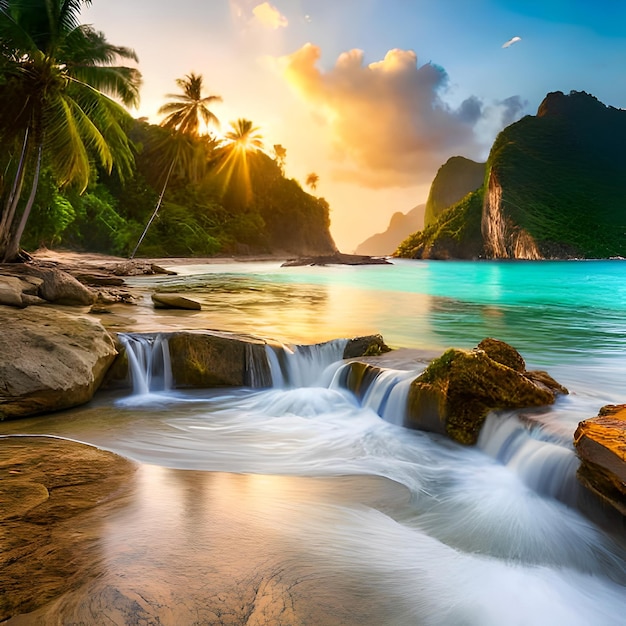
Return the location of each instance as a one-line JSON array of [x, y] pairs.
[[373, 95]]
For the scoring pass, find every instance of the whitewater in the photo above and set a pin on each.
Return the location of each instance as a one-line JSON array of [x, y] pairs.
[[342, 513]]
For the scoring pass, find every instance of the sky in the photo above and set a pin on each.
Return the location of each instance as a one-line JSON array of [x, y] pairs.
[[372, 95]]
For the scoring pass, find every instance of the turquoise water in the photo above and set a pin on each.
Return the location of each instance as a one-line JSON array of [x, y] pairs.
[[555, 313]]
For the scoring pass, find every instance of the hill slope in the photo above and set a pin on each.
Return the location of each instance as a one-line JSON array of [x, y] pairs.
[[456, 178], [555, 187], [400, 226]]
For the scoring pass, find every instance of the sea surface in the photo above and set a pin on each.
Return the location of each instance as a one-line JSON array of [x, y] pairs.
[[300, 504]]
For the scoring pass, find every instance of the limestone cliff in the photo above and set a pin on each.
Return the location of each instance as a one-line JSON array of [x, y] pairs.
[[555, 187]]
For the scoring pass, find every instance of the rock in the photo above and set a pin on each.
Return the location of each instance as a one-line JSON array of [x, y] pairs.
[[11, 289], [140, 268], [210, 359], [202, 359], [338, 258], [98, 279], [601, 445], [369, 345], [457, 390], [503, 353], [56, 286], [174, 301], [55, 494], [50, 360]]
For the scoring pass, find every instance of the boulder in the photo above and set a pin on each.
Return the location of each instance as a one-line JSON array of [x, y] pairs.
[[53, 285], [369, 345], [601, 445], [50, 360], [210, 359], [11, 289], [457, 390], [202, 359], [174, 301]]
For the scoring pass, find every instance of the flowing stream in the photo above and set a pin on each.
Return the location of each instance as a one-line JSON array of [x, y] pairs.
[[303, 504]]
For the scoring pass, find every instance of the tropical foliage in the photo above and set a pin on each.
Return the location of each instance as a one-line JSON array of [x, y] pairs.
[[57, 84], [90, 177]]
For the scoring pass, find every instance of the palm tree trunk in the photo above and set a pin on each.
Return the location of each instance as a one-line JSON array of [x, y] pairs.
[[13, 248], [14, 195], [156, 209]]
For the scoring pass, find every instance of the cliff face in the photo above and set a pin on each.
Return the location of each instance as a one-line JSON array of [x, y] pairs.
[[556, 183], [456, 178], [503, 239], [400, 226], [555, 187]]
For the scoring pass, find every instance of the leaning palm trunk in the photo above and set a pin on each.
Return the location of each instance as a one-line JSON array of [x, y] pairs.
[[156, 209], [13, 248], [14, 196]]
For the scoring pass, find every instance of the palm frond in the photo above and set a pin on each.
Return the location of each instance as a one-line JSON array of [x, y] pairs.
[[122, 83]]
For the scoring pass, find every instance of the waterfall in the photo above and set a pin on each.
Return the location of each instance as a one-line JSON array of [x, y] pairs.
[[303, 366], [149, 364], [546, 466], [388, 393]]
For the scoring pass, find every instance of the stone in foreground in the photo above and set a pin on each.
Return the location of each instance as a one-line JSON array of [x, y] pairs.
[[50, 360], [174, 301], [457, 390], [601, 446]]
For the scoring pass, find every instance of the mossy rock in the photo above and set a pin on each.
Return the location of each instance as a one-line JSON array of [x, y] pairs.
[[457, 390]]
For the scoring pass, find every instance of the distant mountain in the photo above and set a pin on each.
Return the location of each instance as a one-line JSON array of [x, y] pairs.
[[555, 187], [400, 226], [456, 178]]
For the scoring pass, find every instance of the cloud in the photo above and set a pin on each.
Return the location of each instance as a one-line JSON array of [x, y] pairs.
[[387, 122], [511, 41], [269, 16]]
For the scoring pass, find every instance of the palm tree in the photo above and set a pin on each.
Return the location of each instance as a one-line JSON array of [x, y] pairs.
[[57, 84], [241, 140], [189, 109], [180, 148], [280, 152], [311, 180], [243, 136]]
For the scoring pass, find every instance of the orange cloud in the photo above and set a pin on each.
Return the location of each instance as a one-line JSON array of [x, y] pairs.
[[387, 123], [269, 16]]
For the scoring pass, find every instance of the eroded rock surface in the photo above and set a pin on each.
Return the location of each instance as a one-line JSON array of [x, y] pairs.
[[50, 360], [50, 489], [601, 446], [457, 390]]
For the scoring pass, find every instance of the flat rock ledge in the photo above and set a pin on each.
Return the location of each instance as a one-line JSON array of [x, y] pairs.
[[338, 258], [601, 445], [54, 494]]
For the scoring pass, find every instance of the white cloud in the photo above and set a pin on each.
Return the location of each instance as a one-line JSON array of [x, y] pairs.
[[269, 16], [386, 121]]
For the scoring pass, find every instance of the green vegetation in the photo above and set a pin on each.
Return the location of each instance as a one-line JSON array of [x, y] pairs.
[[454, 180], [456, 234], [57, 118], [95, 179], [561, 175]]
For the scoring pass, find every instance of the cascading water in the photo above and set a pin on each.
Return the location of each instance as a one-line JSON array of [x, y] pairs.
[[545, 465], [149, 364], [303, 366]]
